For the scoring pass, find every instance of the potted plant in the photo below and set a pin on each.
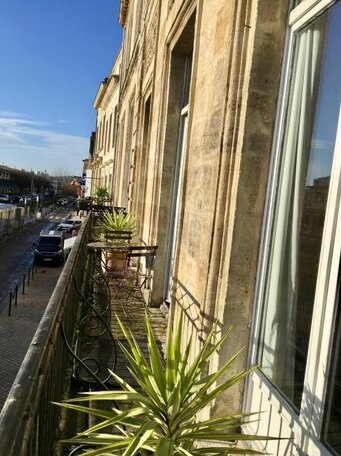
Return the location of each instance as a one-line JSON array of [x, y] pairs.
[[102, 195], [115, 223], [84, 204], [163, 415], [117, 228]]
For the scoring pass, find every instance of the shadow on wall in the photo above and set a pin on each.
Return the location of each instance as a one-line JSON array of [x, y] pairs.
[[196, 320]]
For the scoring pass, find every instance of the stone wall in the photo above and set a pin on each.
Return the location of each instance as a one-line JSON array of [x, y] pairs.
[[105, 104], [235, 51]]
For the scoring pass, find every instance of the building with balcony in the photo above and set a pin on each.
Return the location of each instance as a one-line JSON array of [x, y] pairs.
[[228, 154], [228, 126], [102, 154]]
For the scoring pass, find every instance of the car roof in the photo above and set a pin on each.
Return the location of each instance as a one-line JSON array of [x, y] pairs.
[[51, 233]]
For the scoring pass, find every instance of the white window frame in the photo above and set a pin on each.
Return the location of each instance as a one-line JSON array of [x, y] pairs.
[[307, 425], [176, 197]]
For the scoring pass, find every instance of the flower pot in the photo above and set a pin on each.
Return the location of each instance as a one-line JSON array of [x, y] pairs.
[[116, 261]]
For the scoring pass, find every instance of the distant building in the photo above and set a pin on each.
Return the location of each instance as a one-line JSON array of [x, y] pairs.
[[7, 183], [16, 181], [102, 154]]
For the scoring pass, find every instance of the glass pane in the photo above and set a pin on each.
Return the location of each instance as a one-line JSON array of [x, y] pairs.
[[332, 418], [302, 192]]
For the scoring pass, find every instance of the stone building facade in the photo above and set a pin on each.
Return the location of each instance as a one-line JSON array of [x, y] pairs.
[[101, 160], [228, 153], [185, 161]]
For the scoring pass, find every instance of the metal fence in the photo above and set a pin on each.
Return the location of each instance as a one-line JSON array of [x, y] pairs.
[[22, 283], [29, 424]]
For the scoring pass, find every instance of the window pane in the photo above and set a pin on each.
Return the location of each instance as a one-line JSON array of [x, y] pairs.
[[332, 420], [302, 192]]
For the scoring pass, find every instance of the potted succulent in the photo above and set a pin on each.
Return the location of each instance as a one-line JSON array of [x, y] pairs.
[[163, 415], [117, 228], [102, 195], [113, 224]]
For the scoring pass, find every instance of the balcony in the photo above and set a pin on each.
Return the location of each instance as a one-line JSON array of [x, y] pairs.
[[75, 341]]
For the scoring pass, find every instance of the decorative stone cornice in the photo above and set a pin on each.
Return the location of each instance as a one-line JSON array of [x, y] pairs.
[[100, 93], [105, 95], [123, 11], [108, 85]]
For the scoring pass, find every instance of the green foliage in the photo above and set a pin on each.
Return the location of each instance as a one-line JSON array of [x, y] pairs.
[[162, 419], [102, 194], [117, 221]]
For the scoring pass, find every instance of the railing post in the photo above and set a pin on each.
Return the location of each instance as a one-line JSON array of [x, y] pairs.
[[13, 294], [10, 304], [23, 284]]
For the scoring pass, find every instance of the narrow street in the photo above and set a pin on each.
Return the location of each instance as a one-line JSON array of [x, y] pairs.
[[17, 330], [17, 255]]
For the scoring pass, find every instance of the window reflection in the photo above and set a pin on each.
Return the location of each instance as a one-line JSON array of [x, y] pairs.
[[332, 418], [307, 155]]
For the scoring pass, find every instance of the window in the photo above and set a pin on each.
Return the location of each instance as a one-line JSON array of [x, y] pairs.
[[105, 134], [300, 331], [109, 132], [143, 167], [175, 149], [331, 435], [113, 138], [307, 158], [102, 131]]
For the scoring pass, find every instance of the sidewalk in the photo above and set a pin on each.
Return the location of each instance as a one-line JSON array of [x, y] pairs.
[[17, 331]]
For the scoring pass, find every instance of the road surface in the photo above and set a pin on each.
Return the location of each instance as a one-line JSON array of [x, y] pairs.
[[17, 255], [17, 330]]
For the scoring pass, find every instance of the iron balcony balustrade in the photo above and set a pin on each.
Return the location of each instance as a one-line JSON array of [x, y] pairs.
[[73, 342], [29, 424]]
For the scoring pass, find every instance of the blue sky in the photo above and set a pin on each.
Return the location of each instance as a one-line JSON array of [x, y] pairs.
[[53, 55]]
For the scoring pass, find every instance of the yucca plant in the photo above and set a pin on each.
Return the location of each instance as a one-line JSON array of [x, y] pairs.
[[101, 194], [117, 221], [162, 417]]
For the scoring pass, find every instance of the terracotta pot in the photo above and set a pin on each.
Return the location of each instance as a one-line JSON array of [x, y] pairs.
[[116, 261]]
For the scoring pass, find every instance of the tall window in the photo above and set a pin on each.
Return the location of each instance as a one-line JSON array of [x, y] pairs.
[[175, 151], [109, 132], [178, 171], [301, 314], [113, 137]]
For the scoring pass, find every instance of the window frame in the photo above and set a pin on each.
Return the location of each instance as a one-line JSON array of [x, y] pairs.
[[311, 412]]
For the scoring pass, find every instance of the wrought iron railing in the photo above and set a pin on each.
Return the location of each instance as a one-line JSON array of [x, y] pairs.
[[22, 283], [30, 425]]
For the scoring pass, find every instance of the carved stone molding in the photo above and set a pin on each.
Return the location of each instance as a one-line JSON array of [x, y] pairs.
[[123, 11], [150, 43]]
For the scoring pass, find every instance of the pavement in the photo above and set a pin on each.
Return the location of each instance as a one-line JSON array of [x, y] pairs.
[[17, 330]]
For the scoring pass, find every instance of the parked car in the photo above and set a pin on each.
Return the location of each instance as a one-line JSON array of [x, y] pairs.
[[69, 225], [50, 248], [5, 198], [17, 199]]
